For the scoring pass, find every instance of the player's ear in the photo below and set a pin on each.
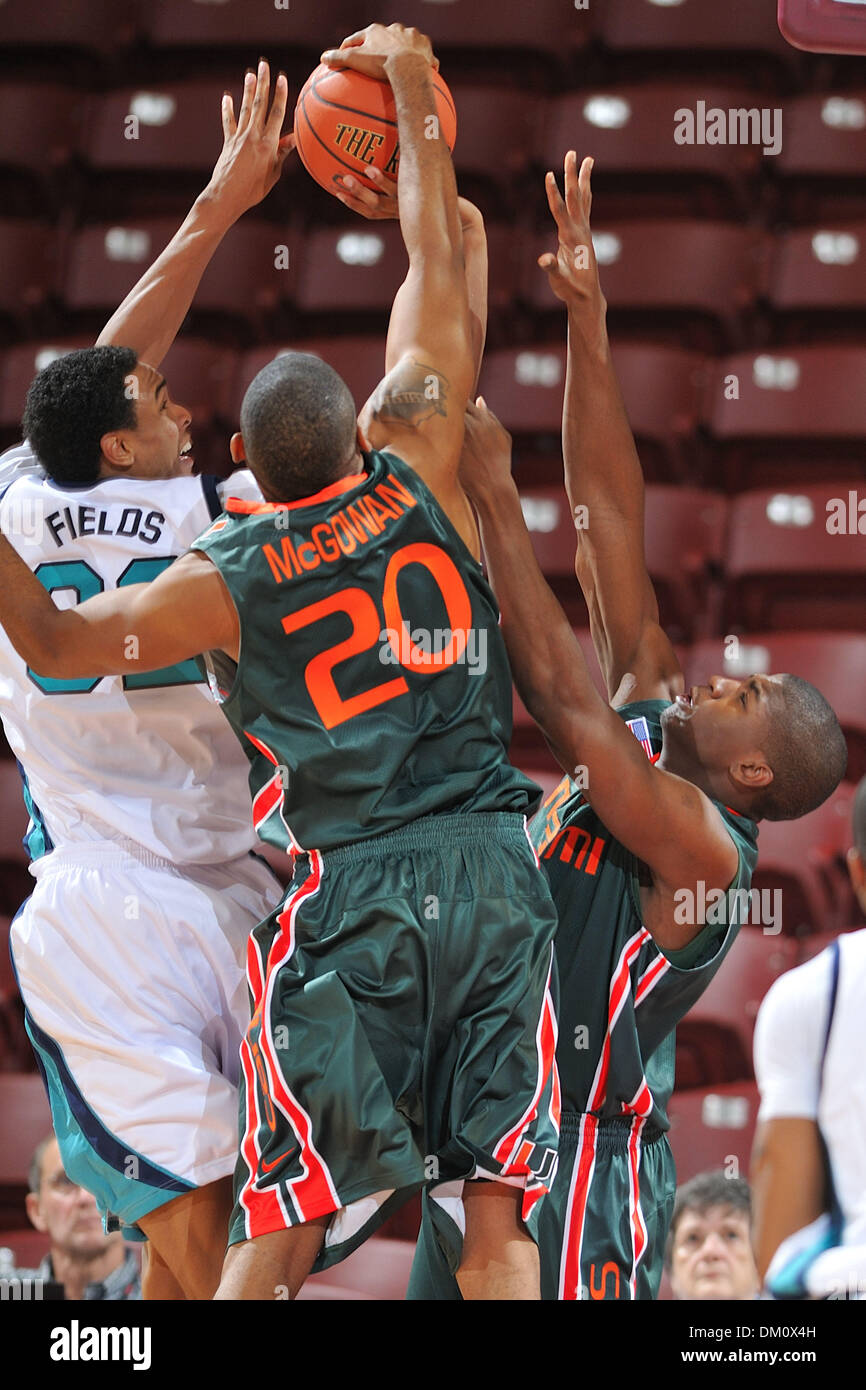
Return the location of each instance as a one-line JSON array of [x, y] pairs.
[[31, 1205], [116, 453], [236, 448], [751, 773]]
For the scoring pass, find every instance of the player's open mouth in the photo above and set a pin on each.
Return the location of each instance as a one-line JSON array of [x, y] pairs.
[[186, 451]]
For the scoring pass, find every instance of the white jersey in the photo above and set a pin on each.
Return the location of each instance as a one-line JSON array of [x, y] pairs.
[[147, 758], [789, 1041]]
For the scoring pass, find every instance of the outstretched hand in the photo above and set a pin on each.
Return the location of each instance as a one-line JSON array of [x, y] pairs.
[[572, 270], [369, 49], [485, 462], [253, 152]]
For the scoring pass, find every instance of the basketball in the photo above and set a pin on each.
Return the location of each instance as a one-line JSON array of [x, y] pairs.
[[346, 122]]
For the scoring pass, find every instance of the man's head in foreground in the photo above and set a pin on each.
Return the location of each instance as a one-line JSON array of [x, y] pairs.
[[709, 1251], [299, 431], [65, 1212], [99, 413], [770, 747]]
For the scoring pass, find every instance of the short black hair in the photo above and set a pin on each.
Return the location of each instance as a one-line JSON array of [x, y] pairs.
[[858, 819], [298, 425], [701, 1193], [72, 403], [806, 750]]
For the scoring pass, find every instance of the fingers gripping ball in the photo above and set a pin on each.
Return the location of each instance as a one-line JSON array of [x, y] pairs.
[[346, 123]]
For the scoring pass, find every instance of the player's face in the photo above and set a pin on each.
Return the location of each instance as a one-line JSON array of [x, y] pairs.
[[160, 442], [723, 722], [67, 1212], [712, 1256]]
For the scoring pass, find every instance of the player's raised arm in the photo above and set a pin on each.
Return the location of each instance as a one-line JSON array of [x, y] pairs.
[[418, 409], [139, 627], [665, 820], [384, 205], [603, 475], [248, 167]]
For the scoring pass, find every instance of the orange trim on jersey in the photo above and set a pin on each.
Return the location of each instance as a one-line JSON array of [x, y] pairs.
[[240, 506]]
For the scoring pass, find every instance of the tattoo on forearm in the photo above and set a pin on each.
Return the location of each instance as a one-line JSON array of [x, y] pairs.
[[411, 395]]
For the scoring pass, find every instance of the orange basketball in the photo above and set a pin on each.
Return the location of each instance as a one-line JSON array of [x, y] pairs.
[[345, 122]]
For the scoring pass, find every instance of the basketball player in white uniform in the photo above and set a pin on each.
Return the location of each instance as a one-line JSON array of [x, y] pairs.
[[130, 952], [809, 1164]]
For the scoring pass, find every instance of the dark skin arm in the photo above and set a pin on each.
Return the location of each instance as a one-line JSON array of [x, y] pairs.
[[663, 819], [602, 469], [417, 411]]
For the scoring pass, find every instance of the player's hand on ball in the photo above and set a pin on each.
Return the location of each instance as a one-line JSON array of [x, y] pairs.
[[573, 270], [368, 50], [485, 462], [372, 205], [253, 152]]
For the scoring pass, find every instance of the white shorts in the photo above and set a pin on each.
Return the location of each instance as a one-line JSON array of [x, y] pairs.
[[133, 976]]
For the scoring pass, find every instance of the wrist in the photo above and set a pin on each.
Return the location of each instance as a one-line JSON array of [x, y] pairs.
[[587, 324], [215, 209], [404, 64], [491, 491]]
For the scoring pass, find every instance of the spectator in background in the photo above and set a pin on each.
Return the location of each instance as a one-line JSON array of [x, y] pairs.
[[809, 1160], [709, 1254], [87, 1262]]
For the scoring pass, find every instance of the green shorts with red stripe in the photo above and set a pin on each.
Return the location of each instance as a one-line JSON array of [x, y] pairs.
[[602, 1229], [403, 1032]]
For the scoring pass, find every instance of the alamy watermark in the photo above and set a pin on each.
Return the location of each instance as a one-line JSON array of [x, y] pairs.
[[757, 907]]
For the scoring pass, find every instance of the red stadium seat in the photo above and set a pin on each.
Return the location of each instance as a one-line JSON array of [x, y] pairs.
[[39, 123], [698, 268], [28, 255], [360, 362], [789, 393], [26, 1120], [825, 135], [547, 26], [711, 1126], [164, 126], [251, 271], [804, 860], [29, 1247], [16, 1054], [98, 25], [684, 540], [819, 269], [730, 1002], [785, 569], [253, 28], [661, 387], [824, 26], [629, 129], [355, 267], [833, 661], [18, 367], [691, 25], [480, 147], [379, 1269]]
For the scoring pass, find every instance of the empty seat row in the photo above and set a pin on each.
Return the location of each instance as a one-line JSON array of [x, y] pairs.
[[681, 128], [548, 26], [716, 269], [799, 400]]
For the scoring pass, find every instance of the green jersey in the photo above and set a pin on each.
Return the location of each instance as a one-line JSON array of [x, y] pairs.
[[372, 686], [620, 997]]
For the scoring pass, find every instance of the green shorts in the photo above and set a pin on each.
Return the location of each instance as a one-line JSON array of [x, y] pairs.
[[402, 1031], [602, 1230]]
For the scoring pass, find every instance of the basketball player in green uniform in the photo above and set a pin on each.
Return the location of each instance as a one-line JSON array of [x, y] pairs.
[[402, 1028], [659, 807]]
